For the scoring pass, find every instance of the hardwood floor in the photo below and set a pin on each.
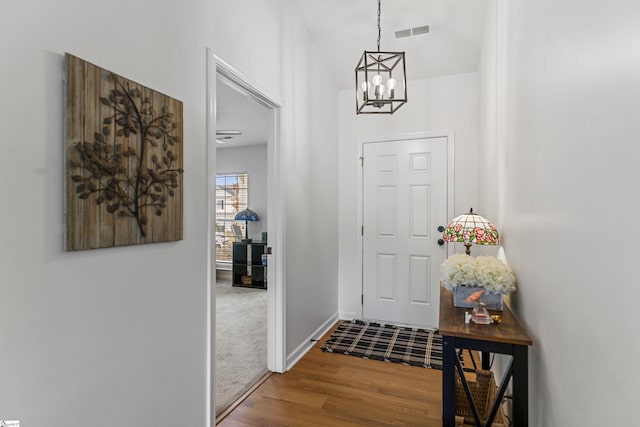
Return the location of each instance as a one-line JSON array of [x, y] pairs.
[[325, 389]]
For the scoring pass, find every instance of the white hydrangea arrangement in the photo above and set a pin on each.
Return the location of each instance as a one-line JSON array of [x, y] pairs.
[[486, 272]]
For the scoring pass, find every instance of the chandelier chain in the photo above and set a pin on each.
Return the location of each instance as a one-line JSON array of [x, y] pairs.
[[379, 25]]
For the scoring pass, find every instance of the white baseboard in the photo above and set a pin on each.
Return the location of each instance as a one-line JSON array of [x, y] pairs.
[[223, 266], [348, 315], [308, 344], [224, 274]]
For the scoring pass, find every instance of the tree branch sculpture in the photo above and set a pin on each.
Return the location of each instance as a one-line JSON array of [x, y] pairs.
[[119, 168]]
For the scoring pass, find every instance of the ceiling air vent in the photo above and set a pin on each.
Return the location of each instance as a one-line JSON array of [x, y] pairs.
[[420, 30], [223, 135], [403, 33], [409, 32]]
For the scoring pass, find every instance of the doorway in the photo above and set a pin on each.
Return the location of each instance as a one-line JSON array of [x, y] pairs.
[[241, 298], [407, 194], [218, 70]]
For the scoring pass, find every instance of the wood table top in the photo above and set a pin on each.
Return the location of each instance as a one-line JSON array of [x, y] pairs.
[[510, 331]]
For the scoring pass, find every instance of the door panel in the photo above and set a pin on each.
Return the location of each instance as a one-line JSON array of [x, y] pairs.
[[387, 211], [419, 197], [419, 272], [404, 201], [386, 280]]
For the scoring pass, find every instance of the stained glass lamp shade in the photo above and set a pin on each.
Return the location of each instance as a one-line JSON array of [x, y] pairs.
[[246, 216], [471, 228]]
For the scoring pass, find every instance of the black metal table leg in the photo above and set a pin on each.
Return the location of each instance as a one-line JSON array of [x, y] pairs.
[[520, 386], [448, 381], [486, 365]]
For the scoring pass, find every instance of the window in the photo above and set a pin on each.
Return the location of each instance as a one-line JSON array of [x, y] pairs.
[[232, 194]]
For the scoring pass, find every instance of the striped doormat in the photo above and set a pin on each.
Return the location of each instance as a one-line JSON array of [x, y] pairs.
[[415, 347]]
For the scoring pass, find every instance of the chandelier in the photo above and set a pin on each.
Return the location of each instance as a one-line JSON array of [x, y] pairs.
[[380, 80]]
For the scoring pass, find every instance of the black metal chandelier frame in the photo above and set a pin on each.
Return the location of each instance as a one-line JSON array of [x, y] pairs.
[[372, 96]]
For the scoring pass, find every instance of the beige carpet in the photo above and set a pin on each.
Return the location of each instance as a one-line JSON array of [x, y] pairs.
[[241, 341]]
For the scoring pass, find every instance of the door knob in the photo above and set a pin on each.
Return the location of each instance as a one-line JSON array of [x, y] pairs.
[[440, 242], [440, 228]]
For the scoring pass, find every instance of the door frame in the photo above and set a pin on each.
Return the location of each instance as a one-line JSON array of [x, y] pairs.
[[276, 355], [450, 136]]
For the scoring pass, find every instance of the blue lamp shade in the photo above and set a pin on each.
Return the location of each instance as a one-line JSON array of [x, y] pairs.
[[246, 216]]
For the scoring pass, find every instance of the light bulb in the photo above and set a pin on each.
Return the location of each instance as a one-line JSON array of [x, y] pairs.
[[365, 87], [377, 80], [391, 83], [379, 91]]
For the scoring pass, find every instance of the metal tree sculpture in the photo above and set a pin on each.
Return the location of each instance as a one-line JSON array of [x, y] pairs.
[[129, 179]]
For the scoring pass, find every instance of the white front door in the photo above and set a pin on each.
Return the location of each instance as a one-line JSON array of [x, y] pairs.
[[404, 202]]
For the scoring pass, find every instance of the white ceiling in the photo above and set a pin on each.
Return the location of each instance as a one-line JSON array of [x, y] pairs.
[[237, 112], [342, 29]]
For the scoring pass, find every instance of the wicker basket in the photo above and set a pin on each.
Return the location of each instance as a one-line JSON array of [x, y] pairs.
[[483, 390]]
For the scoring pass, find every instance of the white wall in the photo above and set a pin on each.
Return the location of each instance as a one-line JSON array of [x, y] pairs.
[[439, 104], [562, 171], [120, 334], [251, 160], [248, 34], [282, 65], [310, 157], [105, 336]]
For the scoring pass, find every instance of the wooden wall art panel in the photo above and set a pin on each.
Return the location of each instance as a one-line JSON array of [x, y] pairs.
[[123, 161]]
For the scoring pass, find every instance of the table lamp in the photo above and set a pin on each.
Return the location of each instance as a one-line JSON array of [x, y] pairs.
[[471, 228], [246, 216]]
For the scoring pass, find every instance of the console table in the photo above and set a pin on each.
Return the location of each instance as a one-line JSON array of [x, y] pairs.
[[508, 337]]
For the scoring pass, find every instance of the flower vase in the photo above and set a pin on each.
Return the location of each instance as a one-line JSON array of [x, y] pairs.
[[492, 301]]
